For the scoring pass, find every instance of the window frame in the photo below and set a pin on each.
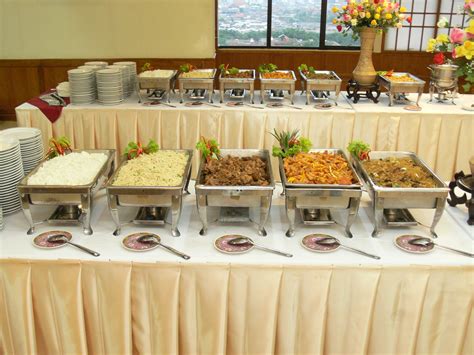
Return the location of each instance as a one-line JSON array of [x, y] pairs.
[[322, 34]]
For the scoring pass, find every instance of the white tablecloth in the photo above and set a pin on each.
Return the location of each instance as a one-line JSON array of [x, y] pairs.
[[64, 301], [441, 133]]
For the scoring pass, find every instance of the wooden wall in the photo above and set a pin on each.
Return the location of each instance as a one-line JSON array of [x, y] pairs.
[[23, 79]]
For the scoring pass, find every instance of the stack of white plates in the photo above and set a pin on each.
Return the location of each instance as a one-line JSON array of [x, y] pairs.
[[82, 85], [125, 77], [31, 145], [11, 172], [109, 86], [1, 218], [132, 73], [63, 89], [99, 64], [93, 67]]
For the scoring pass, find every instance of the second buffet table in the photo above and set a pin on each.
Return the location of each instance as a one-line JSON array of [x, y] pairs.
[[441, 134], [66, 301]]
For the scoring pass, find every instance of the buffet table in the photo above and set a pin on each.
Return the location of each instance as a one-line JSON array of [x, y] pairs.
[[441, 134], [66, 301]]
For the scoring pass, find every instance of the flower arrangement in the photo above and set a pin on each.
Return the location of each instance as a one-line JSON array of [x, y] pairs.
[[457, 47], [378, 14]]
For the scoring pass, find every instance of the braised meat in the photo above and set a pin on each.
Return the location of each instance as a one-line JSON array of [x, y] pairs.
[[236, 171]]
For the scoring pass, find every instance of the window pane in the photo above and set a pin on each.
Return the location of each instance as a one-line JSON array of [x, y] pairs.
[[390, 39], [242, 23], [456, 5], [427, 34], [333, 37], [296, 23], [415, 39]]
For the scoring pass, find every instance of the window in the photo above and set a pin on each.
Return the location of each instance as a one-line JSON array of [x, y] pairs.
[[425, 15], [280, 24]]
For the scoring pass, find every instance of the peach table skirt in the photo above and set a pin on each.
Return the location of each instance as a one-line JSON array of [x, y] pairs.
[[441, 134], [80, 307]]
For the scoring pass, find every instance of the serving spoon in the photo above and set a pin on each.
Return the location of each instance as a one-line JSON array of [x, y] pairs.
[[61, 238], [241, 103], [152, 239], [247, 240], [334, 241], [427, 242], [279, 104]]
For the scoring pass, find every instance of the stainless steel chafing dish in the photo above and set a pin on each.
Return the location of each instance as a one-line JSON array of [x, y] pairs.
[[390, 204], [321, 85], [235, 202], [314, 201], [153, 202], [74, 203], [237, 83], [400, 87], [202, 84], [278, 84], [165, 85]]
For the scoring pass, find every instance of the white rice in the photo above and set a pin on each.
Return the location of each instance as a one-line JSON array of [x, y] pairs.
[[163, 168], [71, 169]]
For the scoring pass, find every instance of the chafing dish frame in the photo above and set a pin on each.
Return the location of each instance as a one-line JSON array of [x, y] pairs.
[[236, 196], [321, 196], [396, 198], [321, 84], [197, 83], [150, 83], [278, 84], [65, 195], [237, 83], [397, 87], [149, 196]]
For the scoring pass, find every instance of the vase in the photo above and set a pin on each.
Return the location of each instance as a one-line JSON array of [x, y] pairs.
[[364, 73]]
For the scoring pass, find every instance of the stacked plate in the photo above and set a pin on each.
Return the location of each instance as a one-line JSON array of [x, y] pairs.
[[99, 64], [125, 76], [11, 172], [1, 219], [31, 145], [109, 86], [132, 74], [63, 89], [82, 86]]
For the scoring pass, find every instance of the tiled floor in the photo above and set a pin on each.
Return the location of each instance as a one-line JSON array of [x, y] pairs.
[[7, 124]]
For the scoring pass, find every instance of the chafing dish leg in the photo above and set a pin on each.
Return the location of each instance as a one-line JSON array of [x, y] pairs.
[[390, 96], [262, 92], [308, 97], [265, 203], [112, 200], [291, 215], [418, 99], [202, 210], [86, 214], [251, 96], [181, 93], [440, 203], [25, 203], [175, 215], [353, 209], [186, 187], [378, 215]]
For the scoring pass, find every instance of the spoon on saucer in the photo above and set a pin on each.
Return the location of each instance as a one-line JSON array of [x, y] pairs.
[[335, 241], [61, 238], [153, 239], [247, 240], [240, 103], [427, 242]]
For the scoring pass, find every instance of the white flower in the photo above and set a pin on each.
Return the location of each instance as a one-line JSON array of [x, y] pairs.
[[354, 22], [362, 14], [443, 22], [399, 25], [401, 16]]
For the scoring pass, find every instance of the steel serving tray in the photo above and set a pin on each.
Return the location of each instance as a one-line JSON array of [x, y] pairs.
[[152, 83], [402, 197], [278, 84], [237, 83], [396, 87], [321, 84], [197, 83]]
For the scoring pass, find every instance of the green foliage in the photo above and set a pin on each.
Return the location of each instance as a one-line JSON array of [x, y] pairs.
[[359, 149], [289, 143], [147, 66], [209, 148], [58, 146], [305, 69], [267, 68], [135, 149]]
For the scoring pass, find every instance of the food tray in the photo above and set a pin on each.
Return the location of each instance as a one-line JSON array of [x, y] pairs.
[[237, 83], [321, 84], [278, 84], [64, 195], [149, 197], [150, 83], [397, 87], [312, 198], [236, 197], [197, 83], [402, 198]]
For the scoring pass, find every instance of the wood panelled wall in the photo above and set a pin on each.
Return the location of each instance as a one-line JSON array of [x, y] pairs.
[[21, 80]]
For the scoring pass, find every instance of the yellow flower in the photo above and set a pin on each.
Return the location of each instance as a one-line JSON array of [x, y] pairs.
[[470, 28], [377, 16], [344, 7], [442, 38], [431, 45], [335, 21], [367, 14], [388, 16], [354, 13], [335, 9], [378, 9], [373, 23], [403, 9], [468, 49]]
